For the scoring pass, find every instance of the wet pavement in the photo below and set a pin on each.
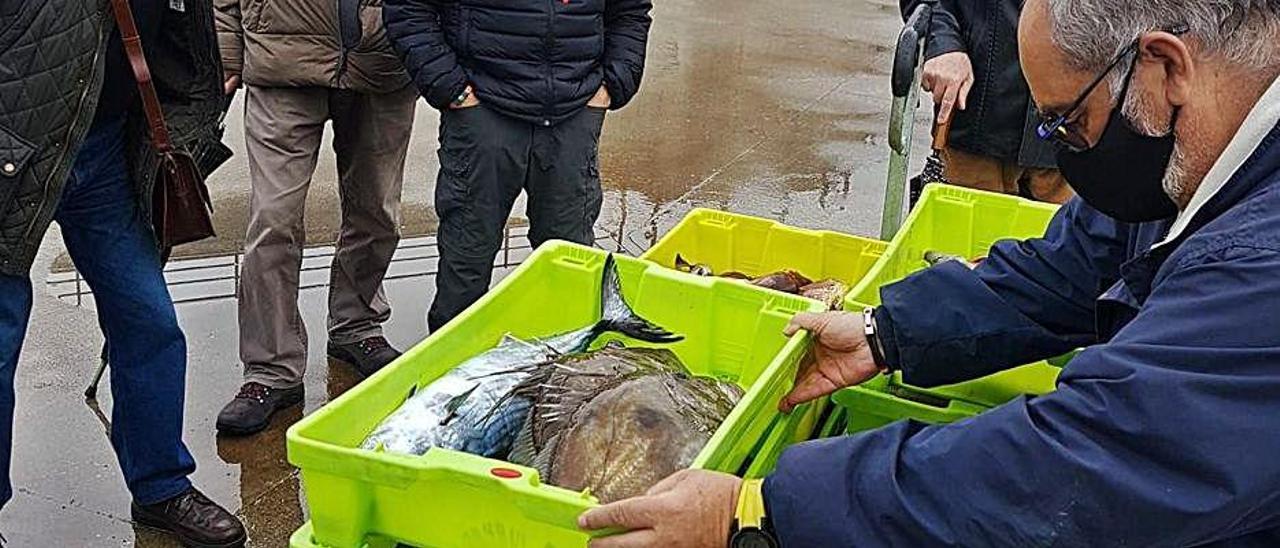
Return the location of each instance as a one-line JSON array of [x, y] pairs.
[[776, 110]]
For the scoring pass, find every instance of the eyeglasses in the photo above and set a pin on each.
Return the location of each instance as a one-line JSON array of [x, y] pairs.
[[1059, 130]]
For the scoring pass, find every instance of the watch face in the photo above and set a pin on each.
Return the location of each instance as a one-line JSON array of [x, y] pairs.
[[752, 538]]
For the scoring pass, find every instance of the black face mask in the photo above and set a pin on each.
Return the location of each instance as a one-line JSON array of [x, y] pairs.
[[1123, 174]]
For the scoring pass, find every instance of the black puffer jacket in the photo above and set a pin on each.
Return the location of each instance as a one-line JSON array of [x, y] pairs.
[[51, 74], [538, 60], [1000, 120]]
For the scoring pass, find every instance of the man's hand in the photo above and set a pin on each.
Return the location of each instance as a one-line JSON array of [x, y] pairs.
[[231, 85], [601, 99], [949, 76], [690, 509], [841, 357], [470, 101]]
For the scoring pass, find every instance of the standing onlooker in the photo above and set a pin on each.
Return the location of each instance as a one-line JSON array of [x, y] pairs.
[[972, 69], [523, 86], [305, 63], [74, 149]]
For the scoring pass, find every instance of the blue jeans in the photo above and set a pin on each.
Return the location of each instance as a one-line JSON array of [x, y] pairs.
[[113, 248]]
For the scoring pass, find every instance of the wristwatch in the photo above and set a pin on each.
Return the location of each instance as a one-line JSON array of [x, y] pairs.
[[751, 528], [873, 340], [462, 97]]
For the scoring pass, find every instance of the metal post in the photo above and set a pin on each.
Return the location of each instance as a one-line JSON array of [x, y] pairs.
[[91, 392], [899, 157], [79, 291]]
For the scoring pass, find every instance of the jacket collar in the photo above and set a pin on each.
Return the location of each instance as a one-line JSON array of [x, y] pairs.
[[1213, 196]]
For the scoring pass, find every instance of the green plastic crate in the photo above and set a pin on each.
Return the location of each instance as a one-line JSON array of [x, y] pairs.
[[877, 403], [964, 222], [755, 247], [787, 430], [874, 404], [730, 242], [447, 498], [955, 221], [834, 425]]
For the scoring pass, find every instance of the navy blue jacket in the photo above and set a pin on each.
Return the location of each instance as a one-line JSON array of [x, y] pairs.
[[1165, 432], [537, 60]]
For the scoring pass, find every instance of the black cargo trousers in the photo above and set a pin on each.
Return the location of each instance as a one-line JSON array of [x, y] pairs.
[[486, 159]]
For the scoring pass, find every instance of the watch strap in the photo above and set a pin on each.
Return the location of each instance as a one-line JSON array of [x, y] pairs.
[[462, 97], [873, 340]]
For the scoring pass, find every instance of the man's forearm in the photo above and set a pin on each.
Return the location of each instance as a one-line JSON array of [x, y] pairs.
[[946, 325], [1130, 450], [1026, 301]]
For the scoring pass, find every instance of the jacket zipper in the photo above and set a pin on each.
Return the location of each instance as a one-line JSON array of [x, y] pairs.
[[546, 62], [78, 126]]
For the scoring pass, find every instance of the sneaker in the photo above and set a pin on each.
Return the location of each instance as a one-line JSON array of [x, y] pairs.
[[197, 521], [367, 356], [250, 411]]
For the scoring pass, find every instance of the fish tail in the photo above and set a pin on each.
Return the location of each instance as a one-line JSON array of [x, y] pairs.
[[617, 316]]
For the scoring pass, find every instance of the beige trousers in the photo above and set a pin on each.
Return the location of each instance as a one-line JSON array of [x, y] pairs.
[[283, 129], [986, 173]]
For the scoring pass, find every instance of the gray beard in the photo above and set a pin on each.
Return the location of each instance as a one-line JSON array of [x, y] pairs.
[[1175, 179]]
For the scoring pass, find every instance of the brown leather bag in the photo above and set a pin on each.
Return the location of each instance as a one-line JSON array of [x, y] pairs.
[[181, 210]]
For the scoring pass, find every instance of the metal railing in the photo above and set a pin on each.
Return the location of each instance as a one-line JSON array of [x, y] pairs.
[[212, 277]]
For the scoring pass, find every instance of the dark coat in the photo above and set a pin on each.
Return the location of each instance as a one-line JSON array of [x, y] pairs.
[[537, 60], [1162, 433], [1000, 119], [51, 76]]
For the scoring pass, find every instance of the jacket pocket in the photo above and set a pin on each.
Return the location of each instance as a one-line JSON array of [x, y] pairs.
[[460, 131], [16, 154]]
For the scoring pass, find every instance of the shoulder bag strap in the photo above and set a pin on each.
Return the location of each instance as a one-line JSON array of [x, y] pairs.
[[146, 88]]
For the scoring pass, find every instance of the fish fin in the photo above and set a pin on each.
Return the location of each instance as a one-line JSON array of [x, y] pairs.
[[528, 388], [542, 460], [455, 403], [522, 450], [617, 315]]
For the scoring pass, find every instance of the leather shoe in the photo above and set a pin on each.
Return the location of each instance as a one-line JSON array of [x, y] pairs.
[[197, 521]]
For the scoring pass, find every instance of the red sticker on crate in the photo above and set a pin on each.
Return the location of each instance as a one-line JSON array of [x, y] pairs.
[[505, 473]]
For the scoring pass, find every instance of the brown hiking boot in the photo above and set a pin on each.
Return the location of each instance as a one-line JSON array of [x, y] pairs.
[[367, 356], [250, 411]]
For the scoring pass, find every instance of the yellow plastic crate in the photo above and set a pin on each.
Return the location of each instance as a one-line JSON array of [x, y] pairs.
[[448, 498], [729, 242]]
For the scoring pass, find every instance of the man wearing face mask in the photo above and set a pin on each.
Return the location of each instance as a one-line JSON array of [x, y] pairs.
[[1167, 267]]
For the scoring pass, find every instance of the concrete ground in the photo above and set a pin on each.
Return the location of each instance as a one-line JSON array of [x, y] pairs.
[[771, 109]]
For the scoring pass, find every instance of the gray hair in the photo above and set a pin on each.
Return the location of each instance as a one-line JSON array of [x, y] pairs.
[[1245, 33]]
